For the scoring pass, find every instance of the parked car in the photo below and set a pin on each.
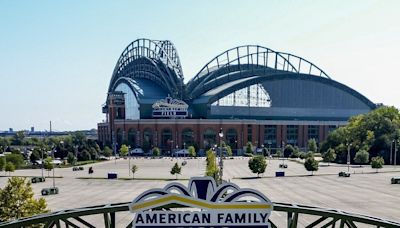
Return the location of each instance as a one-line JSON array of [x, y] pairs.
[[184, 163], [283, 166], [49, 191], [37, 179], [137, 152], [344, 174], [80, 168], [395, 180]]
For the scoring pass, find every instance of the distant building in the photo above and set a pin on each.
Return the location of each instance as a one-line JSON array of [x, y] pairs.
[[253, 93]]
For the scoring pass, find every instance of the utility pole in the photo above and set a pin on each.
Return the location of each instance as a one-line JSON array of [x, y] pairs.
[[391, 152], [348, 157]]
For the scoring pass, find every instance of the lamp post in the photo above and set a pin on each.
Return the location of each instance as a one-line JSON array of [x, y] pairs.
[[42, 163], [129, 160], [391, 151], [348, 157], [283, 152], [52, 154], [184, 147], [269, 151], [395, 154], [221, 163]]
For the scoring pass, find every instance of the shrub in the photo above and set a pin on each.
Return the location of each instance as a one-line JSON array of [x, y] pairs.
[[257, 165]]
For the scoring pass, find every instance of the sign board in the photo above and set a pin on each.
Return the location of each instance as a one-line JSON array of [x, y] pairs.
[[170, 108], [201, 204]]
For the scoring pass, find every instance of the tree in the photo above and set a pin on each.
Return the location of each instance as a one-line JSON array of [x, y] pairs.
[[312, 145], [134, 169], [176, 169], [279, 153], [124, 150], [156, 152], [192, 151], [329, 156], [2, 163], [18, 138], [16, 200], [361, 157], [16, 159], [228, 150], [311, 165], [257, 165], [212, 169], [288, 150], [377, 163], [107, 151], [48, 165], [35, 155], [249, 148], [85, 155], [71, 158], [10, 167]]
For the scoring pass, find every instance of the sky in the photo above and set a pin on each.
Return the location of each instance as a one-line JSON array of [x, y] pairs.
[[57, 57]]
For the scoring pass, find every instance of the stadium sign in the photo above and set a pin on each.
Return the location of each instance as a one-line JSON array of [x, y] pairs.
[[201, 204], [170, 108]]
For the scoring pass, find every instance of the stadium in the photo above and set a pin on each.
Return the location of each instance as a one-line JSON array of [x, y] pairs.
[[253, 93]]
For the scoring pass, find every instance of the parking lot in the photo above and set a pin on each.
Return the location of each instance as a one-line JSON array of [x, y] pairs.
[[365, 192]]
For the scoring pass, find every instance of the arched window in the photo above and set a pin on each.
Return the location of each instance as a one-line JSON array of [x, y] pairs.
[[166, 137], [132, 138], [231, 138], [188, 137], [147, 139], [209, 138]]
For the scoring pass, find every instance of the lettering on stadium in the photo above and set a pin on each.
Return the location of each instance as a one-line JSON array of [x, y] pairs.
[[201, 204]]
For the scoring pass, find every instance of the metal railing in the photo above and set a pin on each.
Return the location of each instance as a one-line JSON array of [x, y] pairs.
[[106, 216]]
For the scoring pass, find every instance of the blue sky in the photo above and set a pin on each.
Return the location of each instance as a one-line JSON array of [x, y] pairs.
[[56, 57]]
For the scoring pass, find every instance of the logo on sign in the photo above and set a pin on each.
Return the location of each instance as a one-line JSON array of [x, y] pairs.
[[201, 204], [170, 108]]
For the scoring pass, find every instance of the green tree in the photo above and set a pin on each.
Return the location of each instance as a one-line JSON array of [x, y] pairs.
[[279, 153], [329, 156], [176, 169], [377, 163], [16, 200], [212, 169], [192, 151], [18, 138], [35, 155], [311, 165], [16, 159], [134, 169], [10, 167], [107, 151], [312, 145], [85, 155], [228, 150], [2, 163], [71, 158], [48, 165], [124, 150], [156, 152], [249, 148], [361, 157], [288, 151], [257, 165]]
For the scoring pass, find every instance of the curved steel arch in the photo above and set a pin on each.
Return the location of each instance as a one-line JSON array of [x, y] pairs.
[[316, 217], [255, 56], [161, 54], [260, 79]]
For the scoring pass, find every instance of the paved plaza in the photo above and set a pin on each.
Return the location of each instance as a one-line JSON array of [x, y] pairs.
[[365, 192]]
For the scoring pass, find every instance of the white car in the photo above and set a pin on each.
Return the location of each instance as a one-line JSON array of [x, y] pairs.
[[137, 152]]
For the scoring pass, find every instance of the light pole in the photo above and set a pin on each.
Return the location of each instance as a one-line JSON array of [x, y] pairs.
[[129, 160], [52, 154], [221, 163], [395, 154], [283, 152], [348, 157], [42, 163], [391, 152], [184, 147]]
